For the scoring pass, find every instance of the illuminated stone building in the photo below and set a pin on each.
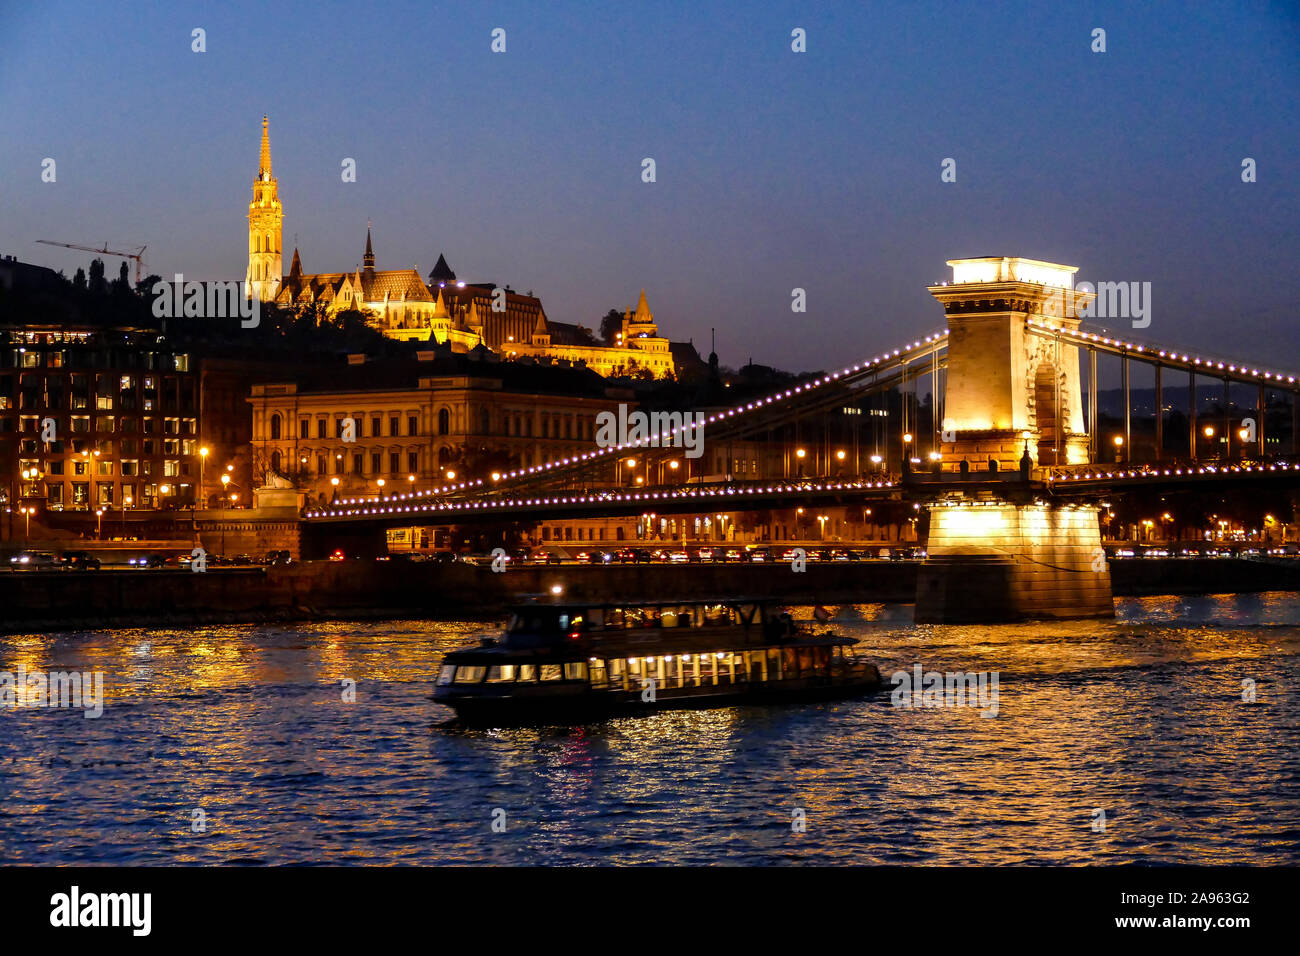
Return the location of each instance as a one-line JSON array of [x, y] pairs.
[[443, 310], [420, 422]]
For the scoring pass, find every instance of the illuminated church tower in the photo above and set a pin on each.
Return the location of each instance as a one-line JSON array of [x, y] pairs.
[[265, 221]]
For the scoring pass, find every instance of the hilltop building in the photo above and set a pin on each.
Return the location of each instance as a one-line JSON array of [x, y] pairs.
[[444, 309]]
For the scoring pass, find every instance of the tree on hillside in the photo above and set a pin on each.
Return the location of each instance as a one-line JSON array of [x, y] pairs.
[[610, 326]]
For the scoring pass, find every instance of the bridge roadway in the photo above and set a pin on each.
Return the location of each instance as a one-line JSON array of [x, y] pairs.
[[1081, 481]]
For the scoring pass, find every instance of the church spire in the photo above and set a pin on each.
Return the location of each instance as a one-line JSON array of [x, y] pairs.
[[264, 167], [265, 228], [369, 258]]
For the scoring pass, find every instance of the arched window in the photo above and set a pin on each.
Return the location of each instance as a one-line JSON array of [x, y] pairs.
[[444, 422], [275, 462], [275, 429], [268, 243]]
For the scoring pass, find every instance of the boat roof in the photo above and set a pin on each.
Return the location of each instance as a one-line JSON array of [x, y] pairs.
[[626, 644], [569, 603]]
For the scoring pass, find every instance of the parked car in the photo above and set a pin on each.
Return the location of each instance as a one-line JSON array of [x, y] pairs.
[[80, 561]]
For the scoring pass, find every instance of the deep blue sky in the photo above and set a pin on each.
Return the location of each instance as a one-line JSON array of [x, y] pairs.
[[775, 169]]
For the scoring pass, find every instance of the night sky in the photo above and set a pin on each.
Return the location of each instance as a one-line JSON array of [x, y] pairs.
[[819, 170]]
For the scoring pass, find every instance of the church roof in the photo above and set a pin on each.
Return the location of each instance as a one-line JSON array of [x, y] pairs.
[[441, 272], [643, 314], [374, 286], [264, 165]]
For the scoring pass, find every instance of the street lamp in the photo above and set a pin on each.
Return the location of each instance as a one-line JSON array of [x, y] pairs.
[[203, 460], [99, 523], [225, 486], [1119, 447], [27, 511]]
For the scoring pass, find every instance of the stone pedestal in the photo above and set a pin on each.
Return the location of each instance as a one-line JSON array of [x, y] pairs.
[[1007, 562]]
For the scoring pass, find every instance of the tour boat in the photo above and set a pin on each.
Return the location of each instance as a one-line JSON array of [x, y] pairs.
[[588, 660]]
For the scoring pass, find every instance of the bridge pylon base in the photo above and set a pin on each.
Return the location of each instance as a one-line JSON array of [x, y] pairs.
[[991, 561]]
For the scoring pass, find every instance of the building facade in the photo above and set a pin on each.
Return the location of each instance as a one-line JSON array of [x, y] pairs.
[[96, 419], [376, 428]]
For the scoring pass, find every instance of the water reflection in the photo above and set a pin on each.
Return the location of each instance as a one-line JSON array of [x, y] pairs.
[[1142, 716]]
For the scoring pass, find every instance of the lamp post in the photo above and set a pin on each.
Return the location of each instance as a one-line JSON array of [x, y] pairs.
[[1208, 431], [225, 486], [99, 524], [1119, 448], [27, 511], [203, 460]]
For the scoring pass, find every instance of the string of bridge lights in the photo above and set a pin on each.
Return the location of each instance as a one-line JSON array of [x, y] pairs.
[[364, 506], [606, 497], [1189, 472], [1193, 362]]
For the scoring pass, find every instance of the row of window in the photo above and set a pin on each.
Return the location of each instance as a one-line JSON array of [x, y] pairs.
[[49, 391], [668, 671], [104, 467], [571, 427], [107, 494], [81, 425], [323, 427], [94, 358], [358, 462]]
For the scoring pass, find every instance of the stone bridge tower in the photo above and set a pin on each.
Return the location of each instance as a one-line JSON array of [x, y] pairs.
[[1006, 386]]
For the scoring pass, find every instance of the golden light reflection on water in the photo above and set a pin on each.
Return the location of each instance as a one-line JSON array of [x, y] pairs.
[[1141, 716]]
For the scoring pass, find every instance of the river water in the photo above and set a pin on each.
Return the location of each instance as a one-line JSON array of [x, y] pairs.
[[1116, 742]]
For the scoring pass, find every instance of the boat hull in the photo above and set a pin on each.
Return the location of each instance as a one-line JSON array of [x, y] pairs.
[[592, 705]]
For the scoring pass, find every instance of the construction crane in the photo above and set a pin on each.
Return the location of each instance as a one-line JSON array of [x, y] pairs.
[[138, 255]]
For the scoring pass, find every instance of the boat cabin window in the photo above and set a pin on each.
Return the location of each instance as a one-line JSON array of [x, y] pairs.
[[547, 622], [550, 672], [528, 673], [469, 675], [575, 670], [498, 675], [445, 675]]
